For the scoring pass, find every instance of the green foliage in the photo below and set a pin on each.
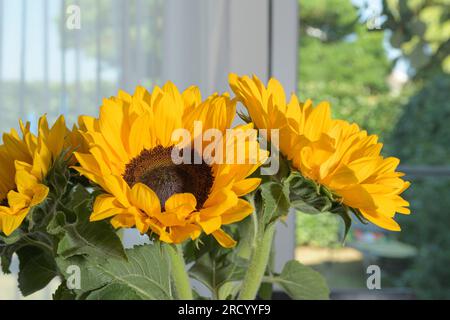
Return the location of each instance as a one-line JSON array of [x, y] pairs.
[[342, 62], [58, 227], [217, 271], [307, 196], [422, 138], [318, 230], [275, 199], [63, 293], [348, 68], [377, 113], [145, 275], [83, 237], [351, 73], [421, 30], [334, 18], [222, 270], [428, 110], [427, 230], [302, 282], [37, 268], [361, 62], [356, 57], [58, 236]]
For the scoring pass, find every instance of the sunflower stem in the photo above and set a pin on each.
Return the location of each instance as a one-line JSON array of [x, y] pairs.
[[258, 264], [179, 272]]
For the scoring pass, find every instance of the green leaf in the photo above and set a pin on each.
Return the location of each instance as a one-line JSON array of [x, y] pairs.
[[114, 291], [9, 245], [5, 260], [63, 293], [275, 197], [343, 212], [146, 273], [302, 282], [265, 291], [304, 207], [96, 239], [81, 236], [18, 240], [12, 238], [307, 196], [229, 290], [215, 272], [36, 269]]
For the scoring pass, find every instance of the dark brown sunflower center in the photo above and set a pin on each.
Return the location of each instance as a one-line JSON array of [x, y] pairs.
[[156, 169], [4, 202]]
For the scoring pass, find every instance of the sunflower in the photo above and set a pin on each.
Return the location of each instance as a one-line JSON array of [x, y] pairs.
[[24, 163], [130, 158], [333, 153]]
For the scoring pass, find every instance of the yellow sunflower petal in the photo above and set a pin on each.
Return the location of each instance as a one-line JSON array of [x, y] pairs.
[[246, 186], [123, 221], [333, 153], [219, 202], [380, 220], [132, 138], [211, 224], [40, 193], [168, 113], [224, 239], [55, 138], [9, 223], [17, 201], [182, 203], [144, 198], [192, 97], [105, 206], [180, 234], [25, 182], [242, 210]]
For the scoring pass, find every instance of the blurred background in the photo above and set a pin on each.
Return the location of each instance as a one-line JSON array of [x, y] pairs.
[[383, 64], [386, 66]]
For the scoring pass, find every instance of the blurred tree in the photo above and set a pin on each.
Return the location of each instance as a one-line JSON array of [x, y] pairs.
[[421, 30], [343, 62], [331, 20], [323, 230], [422, 137], [429, 110], [427, 229]]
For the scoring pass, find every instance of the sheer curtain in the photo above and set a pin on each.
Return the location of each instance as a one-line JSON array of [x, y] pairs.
[[49, 65]]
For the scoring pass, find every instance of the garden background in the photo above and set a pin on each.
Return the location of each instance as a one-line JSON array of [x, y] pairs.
[[390, 74]]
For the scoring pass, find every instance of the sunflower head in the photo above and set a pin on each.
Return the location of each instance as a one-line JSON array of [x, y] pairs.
[[333, 153], [25, 160], [132, 147]]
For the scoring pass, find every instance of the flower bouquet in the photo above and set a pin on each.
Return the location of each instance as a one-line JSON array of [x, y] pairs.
[[207, 195]]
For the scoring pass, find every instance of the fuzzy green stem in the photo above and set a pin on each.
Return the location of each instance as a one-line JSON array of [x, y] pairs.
[[179, 272], [258, 264]]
